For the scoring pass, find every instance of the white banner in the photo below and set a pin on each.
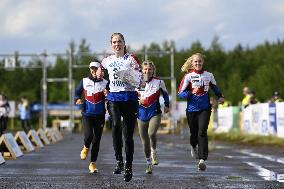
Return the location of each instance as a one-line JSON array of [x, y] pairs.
[[247, 120], [225, 119], [280, 119], [263, 121], [256, 119]]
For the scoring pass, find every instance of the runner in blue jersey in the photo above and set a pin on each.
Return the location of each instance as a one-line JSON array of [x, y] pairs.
[[195, 88], [93, 89], [122, 102], [149, 117]]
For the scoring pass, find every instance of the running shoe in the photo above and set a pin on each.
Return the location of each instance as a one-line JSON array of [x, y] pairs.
[[201, 165], [84, 152], [155, 160], [93, 167], [128, 173], [149, 169], [119, 167]]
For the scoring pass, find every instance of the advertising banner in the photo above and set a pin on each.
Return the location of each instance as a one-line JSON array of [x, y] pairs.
[[272, 118], [256, 119], [280, 119], [225, 119], [247, 120]]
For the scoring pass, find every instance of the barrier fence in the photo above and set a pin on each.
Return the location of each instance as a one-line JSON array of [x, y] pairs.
[[12, 147], [259, 119]]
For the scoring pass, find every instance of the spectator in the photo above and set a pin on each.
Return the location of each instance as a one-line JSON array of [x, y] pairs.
[[24, 110], [225, 104], [246, 99], [253, 99], [276, 97], [4, 111]]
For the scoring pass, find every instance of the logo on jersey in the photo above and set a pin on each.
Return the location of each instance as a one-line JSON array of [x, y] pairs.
[[116, 64]]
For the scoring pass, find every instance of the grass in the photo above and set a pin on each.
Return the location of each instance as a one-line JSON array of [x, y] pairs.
[[240, 138], [234, 178]]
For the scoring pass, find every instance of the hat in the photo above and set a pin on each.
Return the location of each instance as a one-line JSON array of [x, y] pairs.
[[95, 64]]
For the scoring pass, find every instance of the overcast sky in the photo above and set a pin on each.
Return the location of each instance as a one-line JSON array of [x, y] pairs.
[[37, 25]]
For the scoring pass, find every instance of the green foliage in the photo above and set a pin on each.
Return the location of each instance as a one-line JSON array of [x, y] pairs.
[[240, 138], [268, 77]]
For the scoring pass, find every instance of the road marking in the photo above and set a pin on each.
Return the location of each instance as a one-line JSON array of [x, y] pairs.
[[267, 157], [267, 174], [263, 172]]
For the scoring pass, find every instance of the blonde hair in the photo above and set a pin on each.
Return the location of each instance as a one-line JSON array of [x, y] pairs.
[[187, 66], [150, 63]]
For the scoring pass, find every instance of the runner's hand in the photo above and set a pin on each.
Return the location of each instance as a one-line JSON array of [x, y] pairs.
[[79, 101], [166, 110], [106, 92]]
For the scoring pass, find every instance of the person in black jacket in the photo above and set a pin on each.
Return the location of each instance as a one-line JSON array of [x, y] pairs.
[[4, 111]]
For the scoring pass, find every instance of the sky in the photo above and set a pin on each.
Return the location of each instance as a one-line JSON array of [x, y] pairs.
[[32, 26]]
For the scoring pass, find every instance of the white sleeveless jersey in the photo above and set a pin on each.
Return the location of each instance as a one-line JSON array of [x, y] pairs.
[[114, 64]]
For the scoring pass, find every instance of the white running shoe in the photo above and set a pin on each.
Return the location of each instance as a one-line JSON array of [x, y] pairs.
[[194, 152], [201, 165]]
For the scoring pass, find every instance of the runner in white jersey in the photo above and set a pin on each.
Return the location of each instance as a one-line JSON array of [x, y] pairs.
[[122, 102], [114, 64]]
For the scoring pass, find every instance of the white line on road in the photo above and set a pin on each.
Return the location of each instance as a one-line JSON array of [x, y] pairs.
[[267, 174], [267, 157]]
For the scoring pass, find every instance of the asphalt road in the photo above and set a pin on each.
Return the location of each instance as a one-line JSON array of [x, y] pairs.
[[229, 166]]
